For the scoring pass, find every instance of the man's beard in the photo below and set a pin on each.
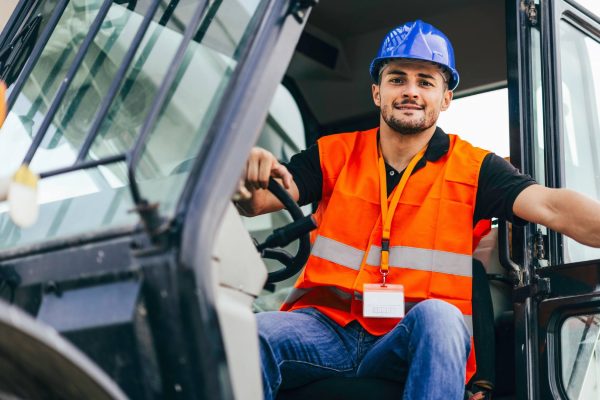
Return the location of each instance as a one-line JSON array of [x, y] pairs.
[[412, 127]]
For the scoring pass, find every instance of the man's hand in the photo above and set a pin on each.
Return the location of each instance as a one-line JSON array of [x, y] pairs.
[[262, 165], [251, 199], [561, 210], [241, 193]]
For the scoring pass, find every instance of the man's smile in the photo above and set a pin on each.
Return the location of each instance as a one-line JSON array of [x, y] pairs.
[[408, 107]]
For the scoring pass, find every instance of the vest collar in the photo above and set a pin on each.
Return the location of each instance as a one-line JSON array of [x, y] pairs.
[[438, 146]]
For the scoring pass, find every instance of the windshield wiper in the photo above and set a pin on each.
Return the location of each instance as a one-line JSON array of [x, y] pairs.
[[36, 52], [14, 55]]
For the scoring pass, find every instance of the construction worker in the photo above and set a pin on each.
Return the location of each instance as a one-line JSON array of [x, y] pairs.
[[386, 291]]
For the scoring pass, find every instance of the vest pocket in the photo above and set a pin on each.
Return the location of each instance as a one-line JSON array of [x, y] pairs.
[[459, 192]]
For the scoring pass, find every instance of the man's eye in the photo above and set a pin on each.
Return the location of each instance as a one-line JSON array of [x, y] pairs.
[[426, 83], [396, 80]]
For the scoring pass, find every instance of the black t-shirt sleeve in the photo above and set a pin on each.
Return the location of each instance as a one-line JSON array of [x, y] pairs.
[[305, 167], [499, 185]]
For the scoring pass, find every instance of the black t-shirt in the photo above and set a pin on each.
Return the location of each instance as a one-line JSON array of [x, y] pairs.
[[499, 182]]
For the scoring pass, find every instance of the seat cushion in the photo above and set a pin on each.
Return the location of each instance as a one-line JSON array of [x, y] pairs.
[[345, 389]]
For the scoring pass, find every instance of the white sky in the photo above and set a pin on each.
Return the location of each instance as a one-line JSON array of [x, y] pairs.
[[481, 119], [592, 5]]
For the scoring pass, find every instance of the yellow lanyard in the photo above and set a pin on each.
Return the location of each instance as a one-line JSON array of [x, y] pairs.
[[387, 210]]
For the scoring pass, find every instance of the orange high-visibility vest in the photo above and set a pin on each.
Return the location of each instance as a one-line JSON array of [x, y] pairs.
[[431, 243], [2, 102]]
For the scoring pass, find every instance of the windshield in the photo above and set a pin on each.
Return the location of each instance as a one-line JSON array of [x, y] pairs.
[[99, 198]]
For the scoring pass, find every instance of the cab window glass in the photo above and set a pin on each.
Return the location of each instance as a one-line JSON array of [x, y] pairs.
[[579, 358], [176, 138], [580, 66], [592, 5], [283, 135], [538, 120]]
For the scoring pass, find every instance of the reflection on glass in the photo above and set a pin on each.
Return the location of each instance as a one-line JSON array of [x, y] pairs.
[[580, 361], [538, 120], [539, 161], [176, 138], [580, 69]]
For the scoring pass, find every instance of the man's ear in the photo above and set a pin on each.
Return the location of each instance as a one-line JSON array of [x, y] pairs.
[[376, 96], [448, 95]]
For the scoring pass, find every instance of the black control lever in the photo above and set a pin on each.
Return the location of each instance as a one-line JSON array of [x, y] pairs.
[[283, 236], [297, 230]]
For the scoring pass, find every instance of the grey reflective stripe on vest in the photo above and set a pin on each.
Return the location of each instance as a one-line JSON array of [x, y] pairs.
[[297, 293], [469, 323], [337, 252], [424, 260], [400, 256]]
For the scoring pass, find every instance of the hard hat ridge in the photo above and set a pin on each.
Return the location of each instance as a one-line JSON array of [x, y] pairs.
[[417, 40]]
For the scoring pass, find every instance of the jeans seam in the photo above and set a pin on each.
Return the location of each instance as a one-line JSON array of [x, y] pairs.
[[410, 347], [359, 347], [313, 365]]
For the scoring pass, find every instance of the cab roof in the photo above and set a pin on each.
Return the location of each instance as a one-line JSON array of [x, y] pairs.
[[330, 67]]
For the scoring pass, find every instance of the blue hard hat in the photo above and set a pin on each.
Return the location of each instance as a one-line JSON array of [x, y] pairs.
[[417, 40]]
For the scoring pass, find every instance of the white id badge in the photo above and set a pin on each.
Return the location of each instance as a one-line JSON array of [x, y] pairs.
[[383, 301]]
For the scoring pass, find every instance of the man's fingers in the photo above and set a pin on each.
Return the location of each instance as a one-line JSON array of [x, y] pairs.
[[287, 179], [280, 171], [266, 164], [261, 166], [252, 173]]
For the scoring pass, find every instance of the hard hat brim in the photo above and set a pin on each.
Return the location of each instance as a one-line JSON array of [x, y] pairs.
[[375, 66]]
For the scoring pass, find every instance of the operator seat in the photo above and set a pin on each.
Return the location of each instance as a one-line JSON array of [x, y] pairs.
[[362, 388]]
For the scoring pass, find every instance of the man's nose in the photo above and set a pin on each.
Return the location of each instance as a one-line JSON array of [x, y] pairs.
[[411, 90]]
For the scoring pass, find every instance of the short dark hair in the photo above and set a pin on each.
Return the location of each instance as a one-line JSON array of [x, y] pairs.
[[380, 66]]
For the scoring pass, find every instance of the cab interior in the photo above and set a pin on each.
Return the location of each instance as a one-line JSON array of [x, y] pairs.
[[329, 81], [326, 89]]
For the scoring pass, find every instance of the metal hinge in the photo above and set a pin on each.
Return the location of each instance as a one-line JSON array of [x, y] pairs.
[[298, 9], [540, 242], [538, 290], [532, 11]]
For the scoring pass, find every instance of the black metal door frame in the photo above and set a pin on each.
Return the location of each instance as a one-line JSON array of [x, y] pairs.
[[552, 295], [521, 18]]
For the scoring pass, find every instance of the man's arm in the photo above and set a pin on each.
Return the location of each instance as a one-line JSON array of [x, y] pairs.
[[262, 165], [561, 210]]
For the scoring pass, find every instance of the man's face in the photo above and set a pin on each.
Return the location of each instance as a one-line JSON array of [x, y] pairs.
[[411, 95]]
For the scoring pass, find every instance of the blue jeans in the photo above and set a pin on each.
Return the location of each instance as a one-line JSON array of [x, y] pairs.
[[427, 351]]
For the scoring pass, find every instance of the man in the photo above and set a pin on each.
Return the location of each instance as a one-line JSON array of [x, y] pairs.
[[387, 289]]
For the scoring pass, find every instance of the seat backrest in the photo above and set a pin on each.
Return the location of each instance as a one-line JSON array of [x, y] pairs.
[[483, 326]]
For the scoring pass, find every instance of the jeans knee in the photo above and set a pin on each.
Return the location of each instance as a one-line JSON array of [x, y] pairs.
[[277, 330], [439, 316], [268, 326]]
